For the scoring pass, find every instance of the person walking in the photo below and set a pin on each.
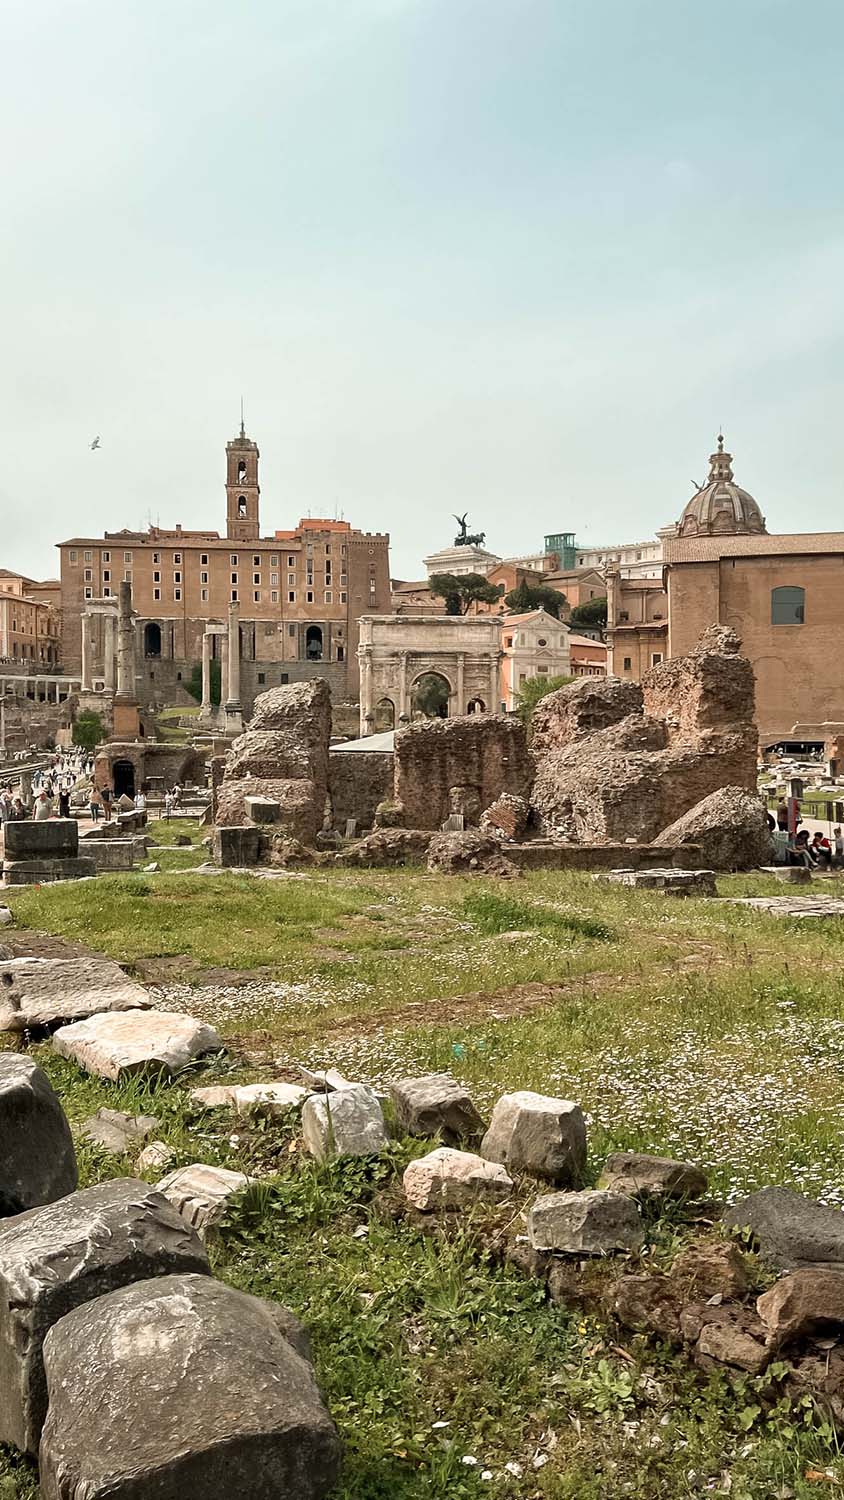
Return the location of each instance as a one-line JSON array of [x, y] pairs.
[[64, 803], [43, 808], [106, 796], [838, 845], [95, 804]]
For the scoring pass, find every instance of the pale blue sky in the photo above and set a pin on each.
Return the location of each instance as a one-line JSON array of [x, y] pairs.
[[515, 257]]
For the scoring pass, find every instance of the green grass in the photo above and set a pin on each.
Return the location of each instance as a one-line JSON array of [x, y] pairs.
[[692, 1028]]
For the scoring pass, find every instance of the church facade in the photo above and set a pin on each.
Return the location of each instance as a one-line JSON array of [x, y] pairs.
[[301, 592], [784, 595]]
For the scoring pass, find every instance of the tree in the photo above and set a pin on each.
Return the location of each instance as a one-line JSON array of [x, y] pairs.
[[535, 689], [88, 730], [535, 596], [461, 590], [194, 686], [592, 614], [430, 696]]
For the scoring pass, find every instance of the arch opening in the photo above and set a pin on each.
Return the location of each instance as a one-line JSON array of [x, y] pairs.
[[313, 643], [429, 696], [123, 778], [385, 715], [152, 639]]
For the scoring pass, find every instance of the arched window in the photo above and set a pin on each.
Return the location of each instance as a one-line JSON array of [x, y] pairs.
[[313, 643], [788, 605], [241, 471], [152, 639], [241, 506]]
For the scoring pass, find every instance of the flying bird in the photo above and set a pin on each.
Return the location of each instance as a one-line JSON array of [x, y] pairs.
[[95, 444]]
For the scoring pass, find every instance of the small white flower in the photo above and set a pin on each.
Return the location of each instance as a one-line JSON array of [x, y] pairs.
[[486, 1473], [468, 1460], [435, 1425]]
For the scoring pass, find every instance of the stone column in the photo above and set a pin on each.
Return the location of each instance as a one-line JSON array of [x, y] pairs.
[[366, 696], [494, 686], [86, 652], [109, 626], [126, 644], [206, 675], [233, 673], [461, 692], [402, 703]]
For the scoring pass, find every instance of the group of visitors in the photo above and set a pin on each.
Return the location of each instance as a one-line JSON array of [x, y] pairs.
[[802, 848]]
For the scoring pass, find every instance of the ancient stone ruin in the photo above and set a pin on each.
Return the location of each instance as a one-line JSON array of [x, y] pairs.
[[664, 773], [615, 761], [461, 766], [275, 776]]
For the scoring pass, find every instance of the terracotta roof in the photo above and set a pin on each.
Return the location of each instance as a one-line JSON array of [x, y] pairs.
[[586, 640], [710, 548]]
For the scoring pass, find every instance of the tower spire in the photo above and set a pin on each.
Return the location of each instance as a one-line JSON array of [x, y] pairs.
[[242, 428]]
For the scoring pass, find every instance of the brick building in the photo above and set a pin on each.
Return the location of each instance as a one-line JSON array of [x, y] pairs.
[[784, 595], [29, 623], [301, 592]]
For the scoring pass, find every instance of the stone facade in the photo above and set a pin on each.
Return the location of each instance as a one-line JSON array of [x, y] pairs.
[[396, 651], [616, 761], [460, 765]]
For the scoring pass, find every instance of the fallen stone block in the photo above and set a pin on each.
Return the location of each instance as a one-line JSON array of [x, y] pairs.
[[729, 826], [38, 992], [205, 1392], [54, 838], [116, 1132], [125, 1042], [347, 1123], [54, 1258], [647, 1304], [712, 1268], [202, 1194], [37, 1159], [111, 854], [790, 1230], [635, 1172], [251, 1098], [262, 809], [806, 1302], [454, 1179], [156, 1157], [728, 1336], [669, 882], [436, 1105], [237, 846], [789, 874], [535, 1134], [387, 847], [47, 871], [585, 1223]]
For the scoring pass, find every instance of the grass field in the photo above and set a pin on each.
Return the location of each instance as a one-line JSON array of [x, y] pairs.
[[692, 1028]]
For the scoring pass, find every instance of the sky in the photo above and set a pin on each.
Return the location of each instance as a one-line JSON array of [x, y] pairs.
[[516, 258]]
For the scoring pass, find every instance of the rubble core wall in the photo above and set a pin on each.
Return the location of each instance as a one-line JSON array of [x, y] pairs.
[[614, 761], [357, 781], [486, 754]]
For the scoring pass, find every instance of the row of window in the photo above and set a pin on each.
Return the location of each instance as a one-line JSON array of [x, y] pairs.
[[257, 559]]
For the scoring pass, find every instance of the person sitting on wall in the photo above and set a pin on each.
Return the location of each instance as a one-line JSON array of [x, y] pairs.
[[820, 847], [799, 852]]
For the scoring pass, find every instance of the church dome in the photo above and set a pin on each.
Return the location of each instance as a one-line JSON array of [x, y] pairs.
[[720, 506]]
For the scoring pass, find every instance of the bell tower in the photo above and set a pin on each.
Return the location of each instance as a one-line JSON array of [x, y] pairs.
[[242, 488]]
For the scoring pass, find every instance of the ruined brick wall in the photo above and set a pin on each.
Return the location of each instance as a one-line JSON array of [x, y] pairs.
[[282, 755], [608, 769], [357, 781], [476, 757]]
